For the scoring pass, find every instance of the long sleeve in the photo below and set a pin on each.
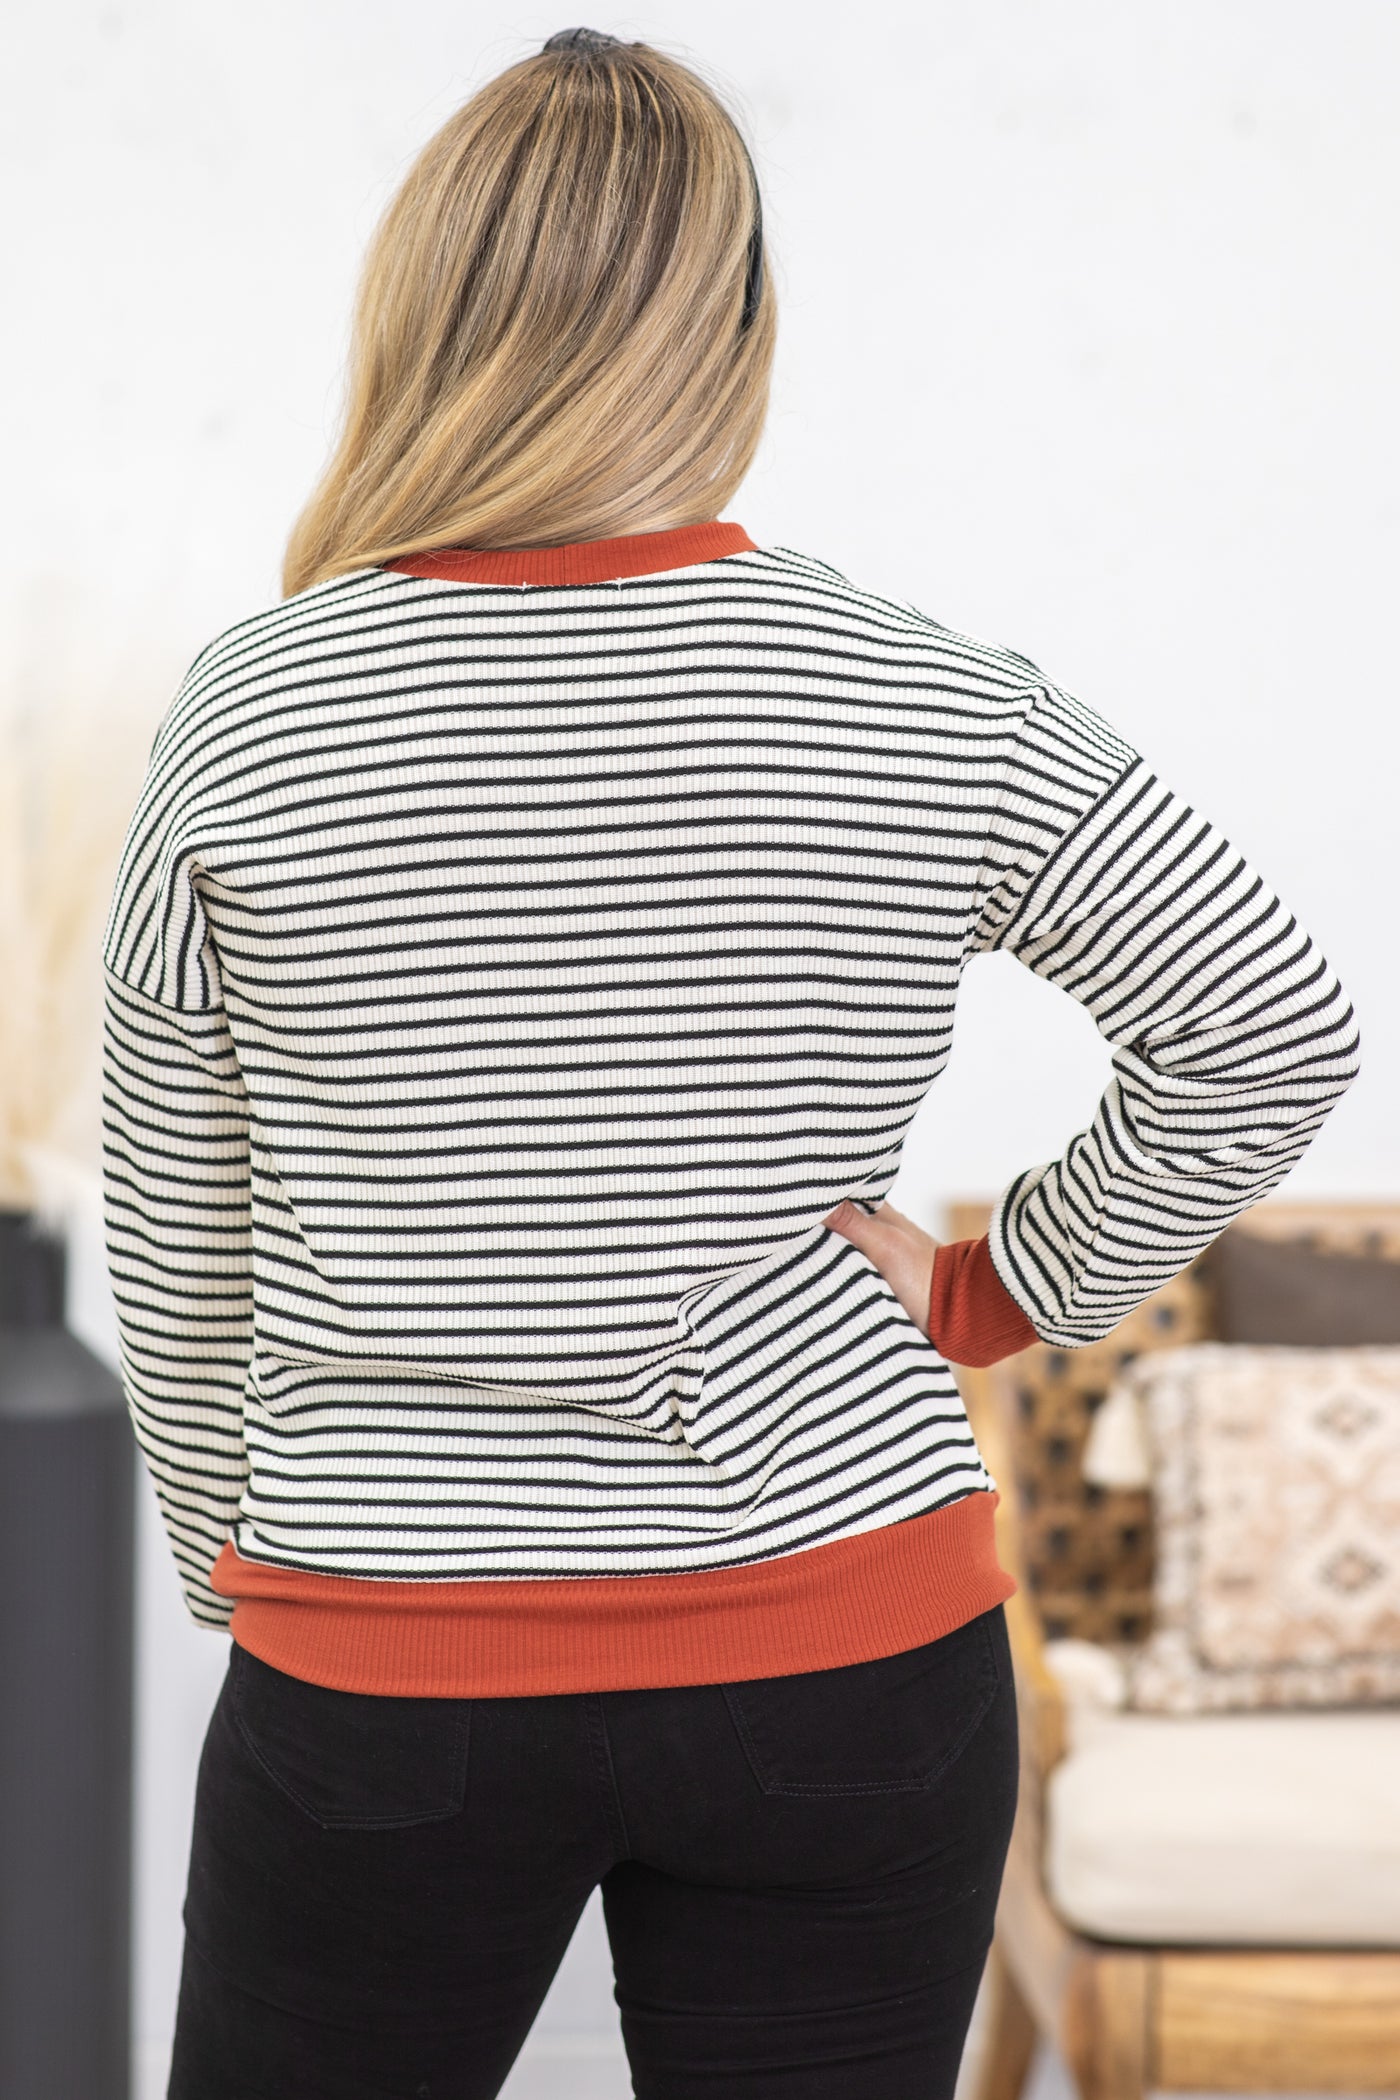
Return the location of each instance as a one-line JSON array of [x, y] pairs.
[[507, 978], [178, 1227], [973, 1319], [1232, 1041]]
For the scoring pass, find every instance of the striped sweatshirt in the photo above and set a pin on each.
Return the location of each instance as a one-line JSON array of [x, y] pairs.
[[513, 960]]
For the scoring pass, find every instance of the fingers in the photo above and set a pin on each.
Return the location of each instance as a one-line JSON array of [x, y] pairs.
[[885, 1227], [901, 1250]]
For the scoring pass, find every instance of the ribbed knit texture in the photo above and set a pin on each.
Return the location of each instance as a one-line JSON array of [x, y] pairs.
[[870, 1594], [972, 1315], [505, 980]]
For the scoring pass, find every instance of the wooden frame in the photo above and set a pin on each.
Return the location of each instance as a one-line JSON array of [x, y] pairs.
[[1130, 2019]]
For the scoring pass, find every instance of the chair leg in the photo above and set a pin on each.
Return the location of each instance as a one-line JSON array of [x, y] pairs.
[[1011, 2036], [1105, 2039]]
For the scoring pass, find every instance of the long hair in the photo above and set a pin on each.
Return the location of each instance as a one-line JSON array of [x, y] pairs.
[[564, 329]]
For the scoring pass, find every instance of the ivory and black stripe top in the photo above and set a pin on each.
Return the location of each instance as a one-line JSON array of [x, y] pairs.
[[513, 960]]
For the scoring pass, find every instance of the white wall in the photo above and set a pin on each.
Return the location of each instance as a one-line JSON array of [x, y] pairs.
[[1089, 335]]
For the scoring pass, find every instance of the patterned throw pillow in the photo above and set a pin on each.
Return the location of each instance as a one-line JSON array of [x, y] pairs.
[[1276, 1488]]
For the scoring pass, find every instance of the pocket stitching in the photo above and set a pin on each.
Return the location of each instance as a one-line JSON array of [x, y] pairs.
[[461, 1751], [989, 1685]]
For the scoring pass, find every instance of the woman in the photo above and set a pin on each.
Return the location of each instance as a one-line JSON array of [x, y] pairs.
[[533, 940]]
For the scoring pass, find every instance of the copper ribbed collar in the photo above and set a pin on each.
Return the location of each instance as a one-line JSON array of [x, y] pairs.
[[585, 561]]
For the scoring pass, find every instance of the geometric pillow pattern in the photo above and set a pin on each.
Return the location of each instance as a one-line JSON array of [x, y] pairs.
[[1087, 1552], [1276, 1499]]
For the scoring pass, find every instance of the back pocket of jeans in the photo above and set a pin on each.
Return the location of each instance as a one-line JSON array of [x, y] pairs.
[[885, 1727], [352, 1760]]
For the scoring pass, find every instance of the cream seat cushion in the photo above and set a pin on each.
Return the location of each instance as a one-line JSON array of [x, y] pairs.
[[1264, 1829]]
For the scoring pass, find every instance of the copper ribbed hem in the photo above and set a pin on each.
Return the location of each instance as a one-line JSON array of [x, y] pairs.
[[874, 1594]]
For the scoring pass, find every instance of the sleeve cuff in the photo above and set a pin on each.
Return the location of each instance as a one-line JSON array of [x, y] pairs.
[[973, 1318]]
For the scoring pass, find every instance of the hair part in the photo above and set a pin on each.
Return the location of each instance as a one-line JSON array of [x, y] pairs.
[[552, 340]]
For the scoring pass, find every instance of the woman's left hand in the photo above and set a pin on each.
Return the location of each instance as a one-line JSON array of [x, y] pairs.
[[901, 1250]]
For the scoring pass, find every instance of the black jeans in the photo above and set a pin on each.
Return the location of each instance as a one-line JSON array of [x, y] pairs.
[[799, 1876]]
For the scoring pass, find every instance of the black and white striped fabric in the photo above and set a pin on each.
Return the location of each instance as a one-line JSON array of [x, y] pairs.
[[504, 983]]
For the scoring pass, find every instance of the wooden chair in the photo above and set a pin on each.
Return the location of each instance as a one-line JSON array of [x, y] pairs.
[[1129, 2019]]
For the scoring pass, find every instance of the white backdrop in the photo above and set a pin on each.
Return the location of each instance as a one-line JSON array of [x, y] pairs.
[[1088, 343]]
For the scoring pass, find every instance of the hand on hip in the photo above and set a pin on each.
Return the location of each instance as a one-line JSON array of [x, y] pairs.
[[901, 1250]]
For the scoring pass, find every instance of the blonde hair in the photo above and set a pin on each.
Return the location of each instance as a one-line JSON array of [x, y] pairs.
[[552, 338]]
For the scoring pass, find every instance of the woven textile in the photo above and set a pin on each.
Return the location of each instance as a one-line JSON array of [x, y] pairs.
[[1276, 1482], [1086, 1551]]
